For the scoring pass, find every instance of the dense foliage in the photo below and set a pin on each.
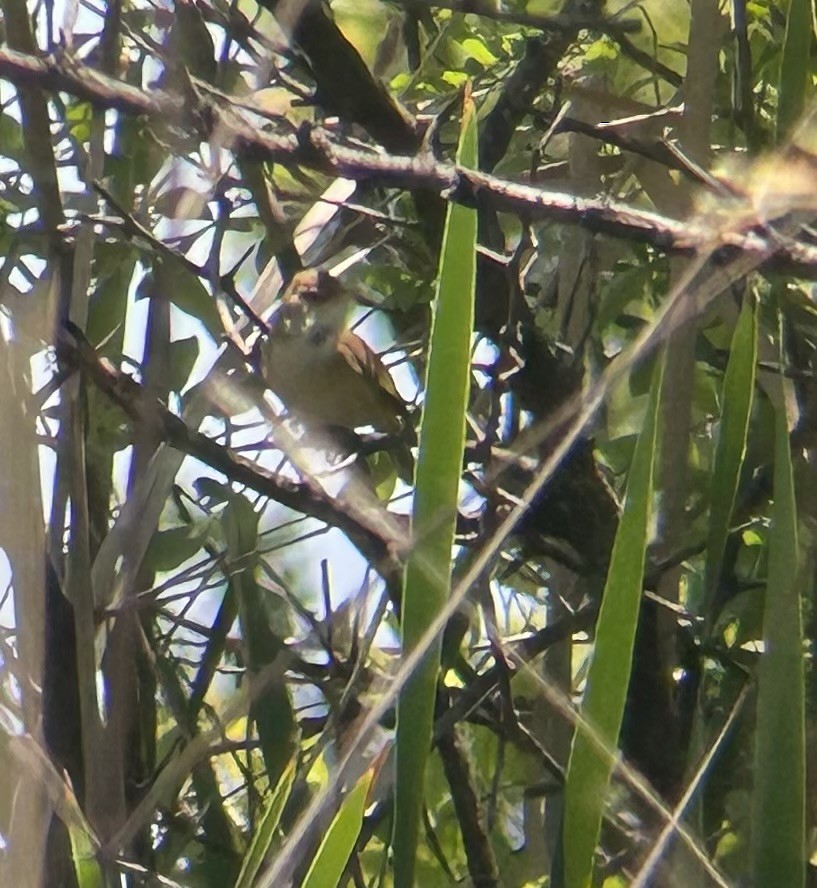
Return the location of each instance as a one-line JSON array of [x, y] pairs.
[[589, 224]]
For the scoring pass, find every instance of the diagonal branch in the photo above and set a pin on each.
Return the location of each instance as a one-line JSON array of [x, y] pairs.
[[482, 864], [318, 148], [373, 536], [344, 83]]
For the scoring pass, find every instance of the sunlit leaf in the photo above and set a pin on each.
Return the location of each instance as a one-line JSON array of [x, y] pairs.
[[779, 803], [266, 829], [330, 860], [594, 747], [442, 439], [738, 390]]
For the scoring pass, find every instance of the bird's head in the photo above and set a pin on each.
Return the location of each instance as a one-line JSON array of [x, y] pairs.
[[315, 306], [320, 370]]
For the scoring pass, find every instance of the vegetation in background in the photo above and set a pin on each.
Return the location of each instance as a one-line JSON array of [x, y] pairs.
[[236, 650]]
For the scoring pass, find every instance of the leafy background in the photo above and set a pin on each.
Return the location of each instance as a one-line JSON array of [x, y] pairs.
[[201, 644]]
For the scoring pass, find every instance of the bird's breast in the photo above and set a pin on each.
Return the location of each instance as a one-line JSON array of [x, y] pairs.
[[318, 385]]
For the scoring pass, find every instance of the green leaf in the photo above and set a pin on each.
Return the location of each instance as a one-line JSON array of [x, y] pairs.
[[737, 396], [79, 116], [383, 474], [183, 356], [333, 854], [172, 547], [604, 48], [240, 523], [795, 71], [136, 156], [442, 440], [86, 867], [11, 138], [478, 51], [109, 299], [264, 834], [779, 805], [186, 292], [455, 78], [209, 488], [594, 743]]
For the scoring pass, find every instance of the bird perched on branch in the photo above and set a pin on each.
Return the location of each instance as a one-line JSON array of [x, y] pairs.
[[325, 375]]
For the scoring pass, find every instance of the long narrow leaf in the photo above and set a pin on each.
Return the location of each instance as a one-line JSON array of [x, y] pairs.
[[738, 391], [339, 842], [442, 439], [87, 870], [779, 809], [265, 833], [794, 67], [594, 749]]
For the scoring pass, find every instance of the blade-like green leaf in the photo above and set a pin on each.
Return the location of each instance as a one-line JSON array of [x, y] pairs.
[[86, 867], [442, 439], [594, 747], [738, 391], [333, 854], [779, 808], [265, 832], [794, 67]]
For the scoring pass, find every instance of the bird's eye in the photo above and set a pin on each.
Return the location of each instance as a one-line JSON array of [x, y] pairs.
[[315, 296]]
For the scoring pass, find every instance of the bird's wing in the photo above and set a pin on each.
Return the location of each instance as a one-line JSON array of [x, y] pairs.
[[364, 360]]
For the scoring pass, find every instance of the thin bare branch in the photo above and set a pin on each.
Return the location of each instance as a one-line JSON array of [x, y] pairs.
[[319, 148], [367, 529]]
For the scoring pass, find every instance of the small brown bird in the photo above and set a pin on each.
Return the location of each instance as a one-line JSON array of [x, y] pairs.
[[324, 374]]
